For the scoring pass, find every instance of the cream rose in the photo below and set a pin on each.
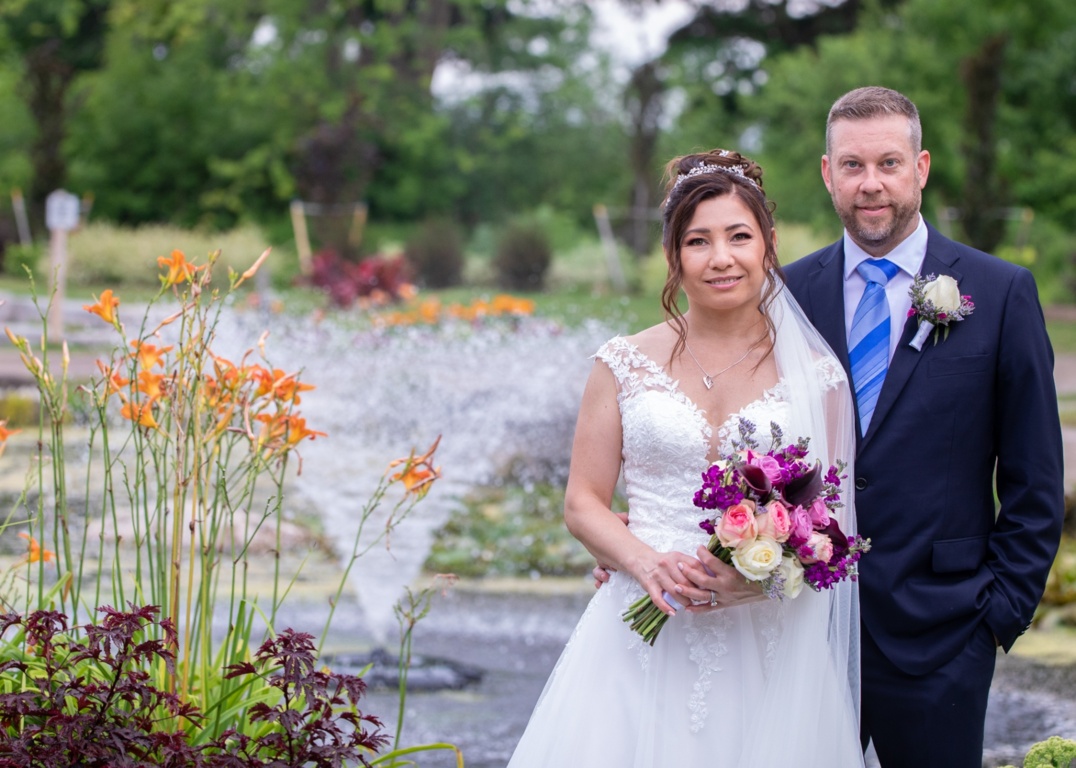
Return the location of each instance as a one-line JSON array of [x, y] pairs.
[[792, 570], [757, 559], [944, 293]]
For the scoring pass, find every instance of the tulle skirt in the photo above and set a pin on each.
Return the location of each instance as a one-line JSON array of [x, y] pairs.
[[748, 686]]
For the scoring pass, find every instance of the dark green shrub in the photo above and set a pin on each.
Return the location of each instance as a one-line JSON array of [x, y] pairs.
[[19, 258], [435, 250], [522, 257]]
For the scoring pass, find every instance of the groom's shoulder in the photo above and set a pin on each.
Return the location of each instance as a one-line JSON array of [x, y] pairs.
[[969, 257], [799, 268]]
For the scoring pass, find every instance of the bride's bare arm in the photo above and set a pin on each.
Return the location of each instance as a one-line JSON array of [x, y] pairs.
[[592, 477]]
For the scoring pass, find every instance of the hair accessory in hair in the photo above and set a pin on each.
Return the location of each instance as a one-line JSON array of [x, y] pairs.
[[698, 170]]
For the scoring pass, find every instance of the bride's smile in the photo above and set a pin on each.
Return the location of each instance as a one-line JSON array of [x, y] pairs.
[[723, 254]]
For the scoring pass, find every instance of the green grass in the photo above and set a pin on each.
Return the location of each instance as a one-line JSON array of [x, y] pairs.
[[1062, 335]]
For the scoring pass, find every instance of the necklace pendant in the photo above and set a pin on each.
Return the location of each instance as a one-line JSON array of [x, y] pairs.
[[709, 382]]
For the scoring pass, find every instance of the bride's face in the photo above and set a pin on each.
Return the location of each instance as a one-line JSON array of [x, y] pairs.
[[722, 255]]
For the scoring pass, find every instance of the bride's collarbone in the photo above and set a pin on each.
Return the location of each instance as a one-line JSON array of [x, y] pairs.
[[728, 394]]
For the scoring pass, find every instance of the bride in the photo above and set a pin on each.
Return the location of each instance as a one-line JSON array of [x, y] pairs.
[[734, 678]]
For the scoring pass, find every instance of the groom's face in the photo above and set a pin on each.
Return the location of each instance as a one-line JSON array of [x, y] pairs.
[[876, 180]]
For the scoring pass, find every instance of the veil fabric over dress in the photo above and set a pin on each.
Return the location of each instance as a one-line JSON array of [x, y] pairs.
[[769, 683]]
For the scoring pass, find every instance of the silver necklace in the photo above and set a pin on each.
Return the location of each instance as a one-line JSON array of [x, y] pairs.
[[708, 379]]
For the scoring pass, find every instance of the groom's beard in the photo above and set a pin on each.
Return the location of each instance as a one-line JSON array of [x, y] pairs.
[[879, 235]]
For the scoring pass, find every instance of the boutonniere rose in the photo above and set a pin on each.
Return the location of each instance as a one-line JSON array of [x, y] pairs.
[[937, 302]]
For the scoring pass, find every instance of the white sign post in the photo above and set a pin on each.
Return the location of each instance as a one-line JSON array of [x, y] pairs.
[[61, 216]]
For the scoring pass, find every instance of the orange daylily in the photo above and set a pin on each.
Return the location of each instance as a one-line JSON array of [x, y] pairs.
[[151, 384], [418, 473], [148, 355], [34, 552], [5, 433], [281, 386], [116, 382], [105, 308], [179, 269], [275, 426], [288, 389], [140, 413], [297, 431]]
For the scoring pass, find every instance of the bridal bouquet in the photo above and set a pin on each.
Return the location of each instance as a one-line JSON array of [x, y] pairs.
[[773, 522]]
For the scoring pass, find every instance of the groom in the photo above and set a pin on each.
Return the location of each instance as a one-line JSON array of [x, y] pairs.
[[953, 572]]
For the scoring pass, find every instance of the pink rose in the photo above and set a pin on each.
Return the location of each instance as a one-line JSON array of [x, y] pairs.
[[775, 521], [737, 524], [820, 546], [801, 525], [819, 513], [769, 465]]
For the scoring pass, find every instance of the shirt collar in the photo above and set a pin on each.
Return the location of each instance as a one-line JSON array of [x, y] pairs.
[[908, 255]]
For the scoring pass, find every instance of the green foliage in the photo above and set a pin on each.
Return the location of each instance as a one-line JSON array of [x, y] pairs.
[[509, 531], [20, 259], [15, 138], [522, 257], [103, 254], [435, 250], [1055, 752], [185, 456], [95, 697], [17, 411], [1061, 583], [152, 148], [924, 48]]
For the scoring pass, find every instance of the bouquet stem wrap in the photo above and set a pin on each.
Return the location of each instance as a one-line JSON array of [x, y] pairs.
[[647, 619]]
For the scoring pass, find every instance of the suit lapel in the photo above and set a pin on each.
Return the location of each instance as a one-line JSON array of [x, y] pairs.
[[826, 291], [939, 260]]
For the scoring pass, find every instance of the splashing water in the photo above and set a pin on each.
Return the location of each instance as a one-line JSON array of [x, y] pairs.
[[505, 391]]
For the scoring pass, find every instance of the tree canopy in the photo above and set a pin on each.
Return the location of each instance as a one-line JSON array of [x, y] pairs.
[[204, 113]]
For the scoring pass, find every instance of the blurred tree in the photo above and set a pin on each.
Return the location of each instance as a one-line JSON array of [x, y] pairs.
[[715, 63], [174, 128], [362, 74], [15, 171], [54, 41], [993, 83], [528, 136], [210, 112]]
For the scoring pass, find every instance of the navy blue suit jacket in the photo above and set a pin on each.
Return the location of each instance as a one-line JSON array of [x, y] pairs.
[[945, 555]]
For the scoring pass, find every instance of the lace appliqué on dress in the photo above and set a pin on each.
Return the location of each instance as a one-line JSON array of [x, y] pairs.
[[706, 645], [666, 445]]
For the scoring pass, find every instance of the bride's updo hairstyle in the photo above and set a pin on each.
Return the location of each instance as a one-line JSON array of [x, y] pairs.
[[691, 179]]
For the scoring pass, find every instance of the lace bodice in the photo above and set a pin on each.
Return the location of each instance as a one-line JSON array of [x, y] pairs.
[[666, 447], [695, 695], [667, 438]]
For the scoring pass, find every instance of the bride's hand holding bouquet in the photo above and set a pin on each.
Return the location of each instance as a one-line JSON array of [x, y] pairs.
[[774, 523]]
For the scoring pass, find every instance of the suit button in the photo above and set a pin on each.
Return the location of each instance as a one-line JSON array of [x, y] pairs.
[[861, 483]]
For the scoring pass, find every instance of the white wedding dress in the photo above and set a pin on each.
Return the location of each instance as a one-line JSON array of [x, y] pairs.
[[754, 685]]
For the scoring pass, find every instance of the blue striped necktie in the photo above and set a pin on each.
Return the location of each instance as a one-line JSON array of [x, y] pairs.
[[868, 343]]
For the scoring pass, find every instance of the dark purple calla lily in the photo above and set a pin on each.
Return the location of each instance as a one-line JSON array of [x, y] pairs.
[[840, 541], [756, 480], [804, 489]]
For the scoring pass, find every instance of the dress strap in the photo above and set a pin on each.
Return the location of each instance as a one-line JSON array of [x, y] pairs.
[[634, 371]]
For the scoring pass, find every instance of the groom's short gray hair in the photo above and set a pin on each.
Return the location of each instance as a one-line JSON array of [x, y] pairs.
[[875, 101]]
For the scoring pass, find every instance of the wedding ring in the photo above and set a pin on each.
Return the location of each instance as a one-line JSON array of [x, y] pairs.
[[713, 599]]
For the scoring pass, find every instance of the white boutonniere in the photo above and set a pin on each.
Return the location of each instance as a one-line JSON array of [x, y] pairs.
[[937, 302]]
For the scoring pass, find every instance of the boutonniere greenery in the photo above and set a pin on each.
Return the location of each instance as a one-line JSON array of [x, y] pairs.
[[937, 302]]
